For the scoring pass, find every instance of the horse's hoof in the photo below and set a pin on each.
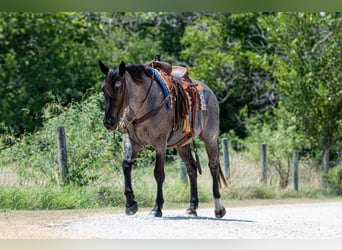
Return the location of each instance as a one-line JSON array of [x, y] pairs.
[[220, 213], [156, 213], [132, 209], [191, 212]]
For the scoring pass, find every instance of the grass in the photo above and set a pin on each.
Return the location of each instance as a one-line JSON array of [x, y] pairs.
[[107, 190], [28, 178], [46, 198]]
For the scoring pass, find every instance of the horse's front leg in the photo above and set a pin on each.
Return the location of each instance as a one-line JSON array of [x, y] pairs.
[[159, 175], [129, 154]]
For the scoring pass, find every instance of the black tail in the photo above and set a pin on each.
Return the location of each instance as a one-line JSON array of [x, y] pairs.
[[222, 178]]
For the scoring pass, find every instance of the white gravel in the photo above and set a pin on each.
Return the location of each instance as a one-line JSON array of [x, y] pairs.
[[295, 221]]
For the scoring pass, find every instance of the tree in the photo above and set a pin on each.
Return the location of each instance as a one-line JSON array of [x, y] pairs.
[[226, 52], [308, 66], [44, 57]]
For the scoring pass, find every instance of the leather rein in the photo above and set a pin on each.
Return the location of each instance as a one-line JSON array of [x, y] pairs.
[[135, 121]]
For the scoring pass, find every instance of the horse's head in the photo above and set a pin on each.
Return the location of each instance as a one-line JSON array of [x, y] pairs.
[[114, 93]]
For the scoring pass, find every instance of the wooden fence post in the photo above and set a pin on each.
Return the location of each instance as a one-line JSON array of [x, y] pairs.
[[62, 155], [226, 158], [295, 169], [326, 159], [264, 162]]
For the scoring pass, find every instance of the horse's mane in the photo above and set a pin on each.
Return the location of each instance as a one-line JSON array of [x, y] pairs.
[[137, 71]]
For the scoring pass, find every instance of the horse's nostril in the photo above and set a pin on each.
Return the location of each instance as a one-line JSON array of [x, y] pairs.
[[108, 122]]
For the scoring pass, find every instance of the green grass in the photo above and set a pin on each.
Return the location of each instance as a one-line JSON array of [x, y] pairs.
[[107, 189], [47, 198], [110, 193], [94, 161]]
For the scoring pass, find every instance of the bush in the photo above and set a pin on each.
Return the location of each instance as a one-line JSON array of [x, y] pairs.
[[334, 179], [89, 144], [281, 138]]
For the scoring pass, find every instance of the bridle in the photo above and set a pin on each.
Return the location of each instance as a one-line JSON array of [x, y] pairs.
[[126, 122]]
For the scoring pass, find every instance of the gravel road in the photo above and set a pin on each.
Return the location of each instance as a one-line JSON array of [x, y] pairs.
[[317, 220], [295, 221]]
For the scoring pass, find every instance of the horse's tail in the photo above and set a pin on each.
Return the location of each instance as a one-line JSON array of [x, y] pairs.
[[221, 177]]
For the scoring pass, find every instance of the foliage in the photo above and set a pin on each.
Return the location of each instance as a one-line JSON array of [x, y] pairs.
[[281, 139], [52, 57], [88, 142], [307, 64], [226, 52], [44, 57], [334, 179], [277, 76]]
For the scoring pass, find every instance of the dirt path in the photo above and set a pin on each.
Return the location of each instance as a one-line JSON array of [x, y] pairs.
[[319, 220]]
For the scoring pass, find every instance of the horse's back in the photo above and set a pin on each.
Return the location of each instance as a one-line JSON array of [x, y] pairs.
[[208, 119]]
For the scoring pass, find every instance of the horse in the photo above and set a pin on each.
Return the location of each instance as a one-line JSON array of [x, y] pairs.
[[133, 95]]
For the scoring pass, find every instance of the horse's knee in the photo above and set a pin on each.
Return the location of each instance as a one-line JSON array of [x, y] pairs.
[[127, 166], [192, 171]]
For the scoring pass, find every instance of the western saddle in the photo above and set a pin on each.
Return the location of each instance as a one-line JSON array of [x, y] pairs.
[[184, 95]]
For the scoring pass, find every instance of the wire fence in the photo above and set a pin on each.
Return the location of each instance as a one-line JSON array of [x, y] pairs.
[[246, 165], [299, 168]]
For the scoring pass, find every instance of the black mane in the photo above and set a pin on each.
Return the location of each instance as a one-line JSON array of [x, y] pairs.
[[137, 71]]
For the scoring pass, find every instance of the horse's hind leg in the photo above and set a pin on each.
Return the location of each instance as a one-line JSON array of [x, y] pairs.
[[185, 154], [159, 175], [211, 146]]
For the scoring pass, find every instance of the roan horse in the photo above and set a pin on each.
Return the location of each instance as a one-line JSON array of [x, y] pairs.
[[132, 92]]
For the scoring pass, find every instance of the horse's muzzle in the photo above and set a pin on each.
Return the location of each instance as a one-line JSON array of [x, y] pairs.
[[110, 124]]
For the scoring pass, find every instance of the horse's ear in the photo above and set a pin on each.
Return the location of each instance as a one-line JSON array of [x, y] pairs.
[[103, 68], [122, 68]]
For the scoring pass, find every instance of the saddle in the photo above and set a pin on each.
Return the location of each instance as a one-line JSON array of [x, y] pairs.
[[184, 93], [175, 71], [185, 98]]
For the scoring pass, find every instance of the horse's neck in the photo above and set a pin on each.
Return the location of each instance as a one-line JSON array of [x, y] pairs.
[[138, 97]]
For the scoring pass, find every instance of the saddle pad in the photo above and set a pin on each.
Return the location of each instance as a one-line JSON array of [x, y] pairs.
[[165, 83], [162, 84]]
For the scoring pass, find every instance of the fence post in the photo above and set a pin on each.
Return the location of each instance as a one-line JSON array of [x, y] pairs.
[[326, 159], [264, 162], [226, 158], [295, 169], [62, 155]]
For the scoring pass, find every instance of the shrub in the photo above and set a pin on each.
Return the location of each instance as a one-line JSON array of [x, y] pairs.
[[88, 143], [334, 179]]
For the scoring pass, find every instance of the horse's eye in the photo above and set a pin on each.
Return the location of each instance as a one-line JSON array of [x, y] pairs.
[[117, 85]]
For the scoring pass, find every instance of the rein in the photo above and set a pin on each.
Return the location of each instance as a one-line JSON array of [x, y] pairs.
[[127, 122], [136, 121]]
